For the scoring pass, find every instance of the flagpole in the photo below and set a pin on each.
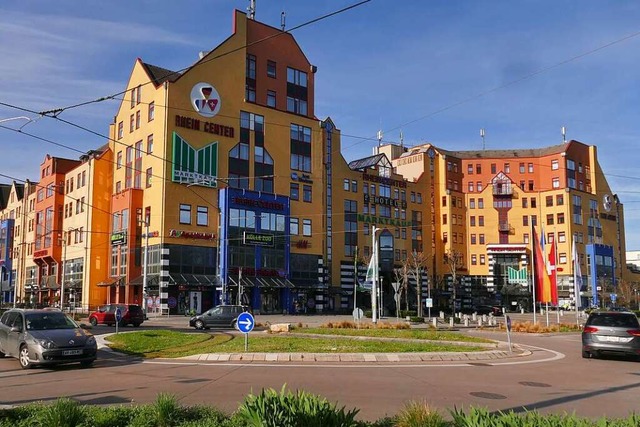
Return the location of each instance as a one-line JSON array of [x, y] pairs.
[[374, 285], [555, 245], [576, 288], [533, 269]]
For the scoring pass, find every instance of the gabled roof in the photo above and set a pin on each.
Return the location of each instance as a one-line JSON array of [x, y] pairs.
[[159, 75], [5, 190], [366, 162], [19, 190]]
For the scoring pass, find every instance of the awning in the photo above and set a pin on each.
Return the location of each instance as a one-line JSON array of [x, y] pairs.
[[112, 281], [151, 278], [192, 279], [262, 282]]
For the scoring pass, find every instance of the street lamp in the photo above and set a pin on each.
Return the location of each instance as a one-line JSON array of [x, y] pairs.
[[145, 223]]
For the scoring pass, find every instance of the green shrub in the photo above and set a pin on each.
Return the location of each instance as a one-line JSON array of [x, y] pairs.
[[416, 319], [285, 409], [410, 313], [110, 416], [64, 412], [368, 313], [416, 414]]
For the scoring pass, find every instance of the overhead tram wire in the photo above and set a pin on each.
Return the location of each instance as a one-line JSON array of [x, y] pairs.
[[57, 111]]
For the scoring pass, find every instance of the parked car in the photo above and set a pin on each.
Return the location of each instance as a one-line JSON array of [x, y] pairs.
[[45, 337], [489, 309], [131, 315], [222, 316], [611, 332]]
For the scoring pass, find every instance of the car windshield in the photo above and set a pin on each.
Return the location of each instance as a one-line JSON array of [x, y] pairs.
[[49, 320], [614, 320]]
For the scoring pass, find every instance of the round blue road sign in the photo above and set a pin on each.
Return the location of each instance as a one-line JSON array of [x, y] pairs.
[[118, 314], [246, 323]]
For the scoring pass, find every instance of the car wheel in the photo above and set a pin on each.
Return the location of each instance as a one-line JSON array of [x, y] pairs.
[[199, 324], [86, 363], [1, 355], [23, 358], [93, 321], [234, 324]]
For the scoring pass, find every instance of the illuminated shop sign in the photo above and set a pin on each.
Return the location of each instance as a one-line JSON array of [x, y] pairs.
[[258, 239], [382, 180], [253, 203], [384, 201], [191, 235], [205, 99], [383, 221], [119, 238], [202, 126], [196, 167]]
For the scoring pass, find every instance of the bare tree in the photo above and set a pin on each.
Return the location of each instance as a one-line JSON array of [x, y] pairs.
[[401, 275], [418, 262], [454, 259], [625, 293]]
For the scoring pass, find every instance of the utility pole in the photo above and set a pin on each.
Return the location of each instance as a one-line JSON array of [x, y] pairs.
[[64, 268], [374, 284], [355, 281]]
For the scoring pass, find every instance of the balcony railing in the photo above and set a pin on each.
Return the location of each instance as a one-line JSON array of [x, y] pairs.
[[504, 227]]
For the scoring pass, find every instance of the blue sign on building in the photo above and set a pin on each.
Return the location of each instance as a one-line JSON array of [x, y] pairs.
[[6, 268]]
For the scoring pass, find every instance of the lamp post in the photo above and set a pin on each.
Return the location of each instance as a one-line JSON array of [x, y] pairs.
[[374, 284], [145, 258]]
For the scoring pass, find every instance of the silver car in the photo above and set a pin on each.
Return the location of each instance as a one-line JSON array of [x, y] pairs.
[[45, 337], [611, 332]]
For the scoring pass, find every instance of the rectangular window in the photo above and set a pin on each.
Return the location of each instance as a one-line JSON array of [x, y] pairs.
[[562, 237], [562, 258], [472, 221], [525, 220], [294, 226], [534, 204], [560, 218], [493, 168], [306, 227], [525, 202], [120, 130], [271, 98], [306, 193], [271, 69], [480, 203], [346, 186], [555, 182], [152, 111], [482, 259], [202, 216], [522, 170], [472, 203], [549, 219], [470, 187], [478, 168], [147, 177], [354, 186], [296, 77], [481, 239], [119, 160], [481, 221], [138, 119], [531, 185], [525, 238], [554, 165], [549, 201], [479, 186], [251, 67], [470, 168], [150, 144], [294, 191], [185, 214], [296, 105], [132, 123], [507, 168], [474, 259], [530, 167], [473, 239]]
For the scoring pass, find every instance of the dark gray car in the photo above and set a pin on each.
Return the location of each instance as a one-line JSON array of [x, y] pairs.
[[222, 316], [45, 337], [611, 332]]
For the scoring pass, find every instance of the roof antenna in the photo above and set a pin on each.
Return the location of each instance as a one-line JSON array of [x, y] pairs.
[[564, 134], [252, 9], [482, 136], [379, 137], [283, 19], [401, 139]]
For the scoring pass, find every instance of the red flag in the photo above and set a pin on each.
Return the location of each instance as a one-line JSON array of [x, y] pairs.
[[542, 284], [553, 278]]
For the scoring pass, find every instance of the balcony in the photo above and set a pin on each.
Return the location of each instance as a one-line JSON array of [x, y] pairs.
[[504, 227], [502, 189]]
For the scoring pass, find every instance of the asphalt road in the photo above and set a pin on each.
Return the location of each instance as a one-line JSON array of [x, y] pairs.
[[553, 379]]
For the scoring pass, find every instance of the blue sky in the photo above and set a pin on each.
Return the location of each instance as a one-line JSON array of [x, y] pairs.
[[439, 70]]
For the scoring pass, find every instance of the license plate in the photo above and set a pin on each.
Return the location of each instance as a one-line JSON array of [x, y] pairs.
[[71, 352], [610, 339]]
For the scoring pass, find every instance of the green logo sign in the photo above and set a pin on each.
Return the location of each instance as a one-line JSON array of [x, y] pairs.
[[119, 238], [191, 166], [517, 277], [259, 239]]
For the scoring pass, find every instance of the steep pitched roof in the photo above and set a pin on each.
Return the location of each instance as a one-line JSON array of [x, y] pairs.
[[5, 190], [159, 75], [19, 190]]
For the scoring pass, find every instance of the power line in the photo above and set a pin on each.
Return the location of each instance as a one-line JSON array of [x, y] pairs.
[[57, 111]]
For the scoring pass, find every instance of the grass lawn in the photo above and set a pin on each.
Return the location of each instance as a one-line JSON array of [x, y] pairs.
[[162, 343], [420, 334]]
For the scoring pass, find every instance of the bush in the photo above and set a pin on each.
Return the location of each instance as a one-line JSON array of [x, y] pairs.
[[368, 314], [416, 319], [409, 313], [416, 414], [63, 413], [286, 409]]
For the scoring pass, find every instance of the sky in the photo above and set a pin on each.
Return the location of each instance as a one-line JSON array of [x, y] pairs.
[[438, 70]]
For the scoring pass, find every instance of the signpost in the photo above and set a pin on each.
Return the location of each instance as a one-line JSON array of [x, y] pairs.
[[118, 318], [429, 304], [508, 322], [357, 315], [245, 324]]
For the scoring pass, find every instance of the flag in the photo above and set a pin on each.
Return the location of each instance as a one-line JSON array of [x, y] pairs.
[[577, 275], [542, 283], [370, 277], [552, 272]]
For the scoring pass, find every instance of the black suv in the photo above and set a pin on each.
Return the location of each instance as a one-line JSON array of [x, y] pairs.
[[222, 316]]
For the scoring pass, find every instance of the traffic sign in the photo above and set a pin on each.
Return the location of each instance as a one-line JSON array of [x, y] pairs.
[[613, 297], [118, 315], [429, 302], [246, 322], [357, 314], [508, 323]]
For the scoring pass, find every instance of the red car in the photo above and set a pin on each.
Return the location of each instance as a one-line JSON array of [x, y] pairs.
[[131, 315]]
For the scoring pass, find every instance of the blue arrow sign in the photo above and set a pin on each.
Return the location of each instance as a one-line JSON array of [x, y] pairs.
[[245, 323], [118, 314]]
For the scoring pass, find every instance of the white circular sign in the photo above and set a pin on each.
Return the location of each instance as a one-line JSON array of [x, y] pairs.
[[205, 99], [357, 314], [607, 202]]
